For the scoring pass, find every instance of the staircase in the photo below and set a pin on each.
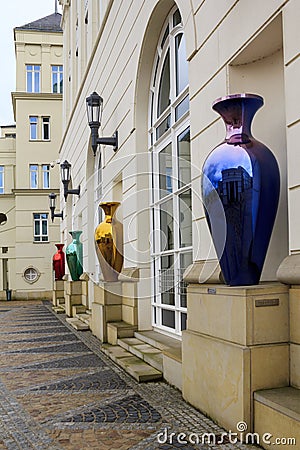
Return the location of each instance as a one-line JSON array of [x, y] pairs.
[[142, 354], [60, 307], [81, 317]]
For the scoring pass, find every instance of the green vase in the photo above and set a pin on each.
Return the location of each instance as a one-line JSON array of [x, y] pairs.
[[74, 256]]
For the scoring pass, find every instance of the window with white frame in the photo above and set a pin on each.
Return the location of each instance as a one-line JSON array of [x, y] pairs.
[[39, 128], [34, 176], [57, 79], [46, 176], [169, 145], [33, 128], [39, 172], [31, 275], [1, 179], [40, 227], [45, 128], [33, 78]]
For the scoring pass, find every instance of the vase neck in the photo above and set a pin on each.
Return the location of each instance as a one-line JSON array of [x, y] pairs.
[[109, 209], [238, 112], [75, 235], [59, 247]]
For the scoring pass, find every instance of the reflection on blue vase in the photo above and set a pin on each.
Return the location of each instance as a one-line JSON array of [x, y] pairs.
[[74, 256], [240, 190]]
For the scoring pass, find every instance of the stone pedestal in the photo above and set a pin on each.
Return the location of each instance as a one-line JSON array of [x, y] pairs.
[[237, 342], [58, 292], [295, 335], [107, 307], [73, 294], [84, 278], [129, 302]]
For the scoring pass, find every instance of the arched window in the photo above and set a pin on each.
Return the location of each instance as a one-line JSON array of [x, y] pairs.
[[169, 144]]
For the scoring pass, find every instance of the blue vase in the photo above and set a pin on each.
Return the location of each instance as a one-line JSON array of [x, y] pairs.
[[240, 191], [74, 256]]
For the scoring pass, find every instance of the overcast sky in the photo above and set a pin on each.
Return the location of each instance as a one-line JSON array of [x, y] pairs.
[[15, 13]]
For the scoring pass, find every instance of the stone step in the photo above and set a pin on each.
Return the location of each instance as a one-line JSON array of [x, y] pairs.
[[61, 302], [158, 340], [85, 318], [77, 324], [277, 411], [146, 352], [116, 330], [58, 309], [170, 359], [134, 366], [78, 309]]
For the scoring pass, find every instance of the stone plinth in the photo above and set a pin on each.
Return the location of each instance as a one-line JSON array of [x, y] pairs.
[[58, 292], [295, 336], [107, 307], [236, 343], [73, 295], [84, 292], [277, 413], [129, 302]]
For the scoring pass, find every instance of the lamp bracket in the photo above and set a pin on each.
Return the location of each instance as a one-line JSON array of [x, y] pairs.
[[53, 214], [113, 140], [71, 191]]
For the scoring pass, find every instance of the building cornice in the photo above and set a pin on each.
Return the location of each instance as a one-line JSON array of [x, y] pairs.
[[39, 192], [7, 196], [33, 96]]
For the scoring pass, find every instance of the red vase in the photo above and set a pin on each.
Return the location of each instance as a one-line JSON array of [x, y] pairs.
[[59, 262]]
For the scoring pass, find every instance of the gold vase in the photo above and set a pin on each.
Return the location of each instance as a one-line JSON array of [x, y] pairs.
[[109, 243]]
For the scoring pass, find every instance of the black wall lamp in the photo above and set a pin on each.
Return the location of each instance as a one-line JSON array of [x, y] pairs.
[[94, 108], [65, 168], [52, 204]]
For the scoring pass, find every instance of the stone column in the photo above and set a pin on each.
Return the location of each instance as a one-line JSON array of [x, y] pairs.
[[236, 342]]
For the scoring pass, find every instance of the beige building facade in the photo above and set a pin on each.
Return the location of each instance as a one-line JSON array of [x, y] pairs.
[[28, 158], [159, 65], [7, 220]]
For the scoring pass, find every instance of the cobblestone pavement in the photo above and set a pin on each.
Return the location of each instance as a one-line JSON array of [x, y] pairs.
[[59, 391]]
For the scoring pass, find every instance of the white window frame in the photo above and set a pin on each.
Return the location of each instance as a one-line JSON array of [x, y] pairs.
[[46, 125], [57, 76], [33, 128], [2, 179], [46, 176], [34, 169], [31, 275], [31, 71], [40, 218], [174, 128]]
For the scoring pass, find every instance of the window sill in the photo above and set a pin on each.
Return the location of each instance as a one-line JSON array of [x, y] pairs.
[[39, 140]]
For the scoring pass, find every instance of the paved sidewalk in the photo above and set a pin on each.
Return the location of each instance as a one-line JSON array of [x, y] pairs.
[[59, 391]]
